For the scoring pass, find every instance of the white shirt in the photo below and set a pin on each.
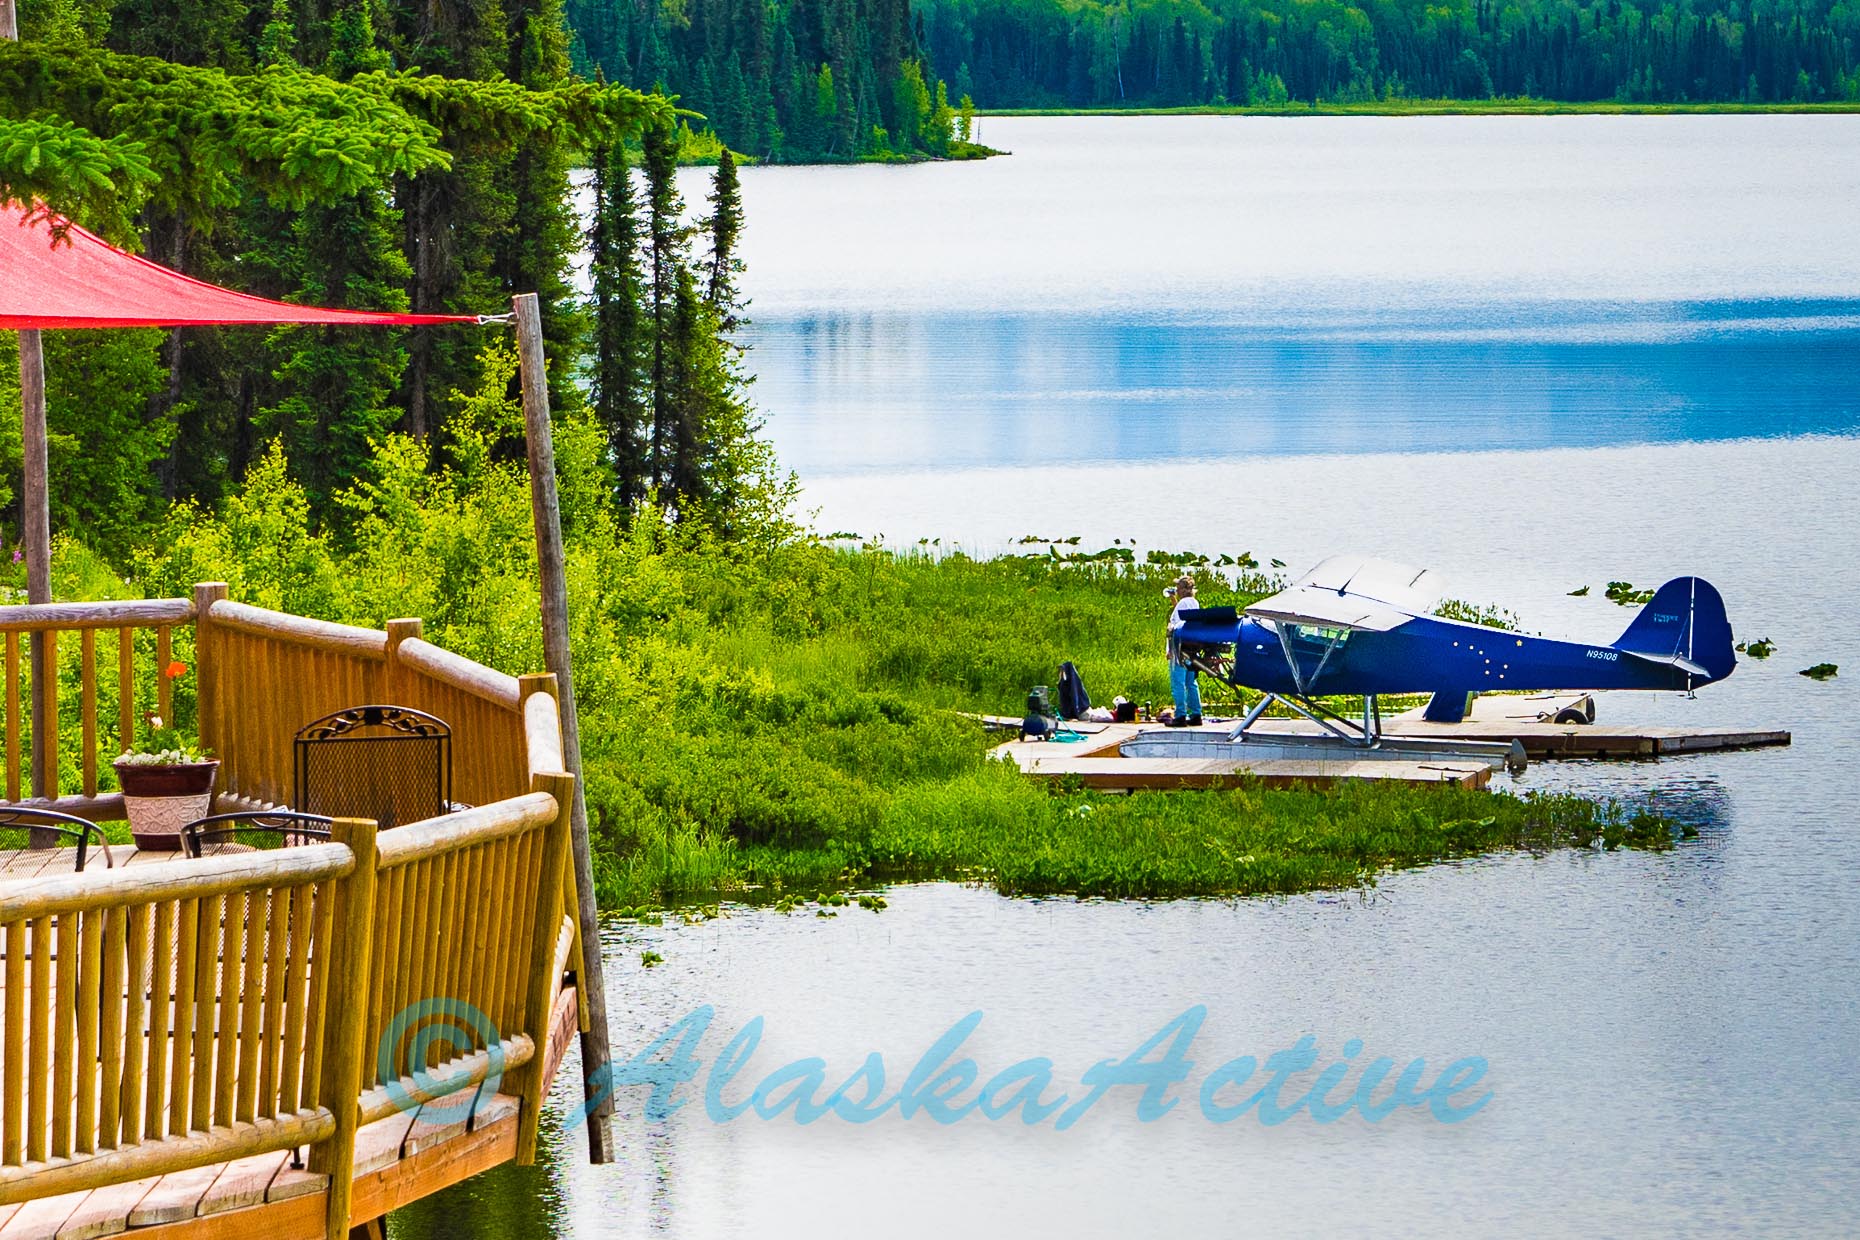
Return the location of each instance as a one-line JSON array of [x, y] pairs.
[[1186, 603]]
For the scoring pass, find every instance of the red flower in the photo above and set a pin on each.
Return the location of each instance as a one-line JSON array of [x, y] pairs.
[[175, 670]]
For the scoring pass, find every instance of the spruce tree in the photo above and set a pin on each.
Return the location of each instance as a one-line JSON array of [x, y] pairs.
[[664, 251], [726, 227], [614, 266], [686, 398], [336, 387], [542, 230]]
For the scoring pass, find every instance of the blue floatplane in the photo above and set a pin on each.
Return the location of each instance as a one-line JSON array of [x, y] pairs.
[[1361, 627]]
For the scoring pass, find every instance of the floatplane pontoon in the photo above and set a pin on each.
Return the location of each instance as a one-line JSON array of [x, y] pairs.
[[1361, 627]]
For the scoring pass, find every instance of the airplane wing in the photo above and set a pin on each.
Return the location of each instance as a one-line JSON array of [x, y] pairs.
[[1354, 592], [1327, 609]]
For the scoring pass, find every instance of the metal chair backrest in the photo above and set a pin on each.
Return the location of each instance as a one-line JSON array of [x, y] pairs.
[[389, 763], [41, 828], [252, 829]]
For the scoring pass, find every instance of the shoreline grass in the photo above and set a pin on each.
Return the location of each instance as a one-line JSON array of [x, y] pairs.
[[994, 827], [803, 755]]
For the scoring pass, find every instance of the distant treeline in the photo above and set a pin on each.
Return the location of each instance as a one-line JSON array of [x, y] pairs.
[[1162, 53], [782, 80]]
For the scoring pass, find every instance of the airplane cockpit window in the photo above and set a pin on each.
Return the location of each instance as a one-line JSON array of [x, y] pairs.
[[1319, 634]]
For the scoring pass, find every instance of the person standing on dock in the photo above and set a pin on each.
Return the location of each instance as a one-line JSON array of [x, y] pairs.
[[1184, 679]]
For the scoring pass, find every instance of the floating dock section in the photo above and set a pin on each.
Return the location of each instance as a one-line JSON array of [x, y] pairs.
[[1096, 762], [1097, 758], [1530, 719]]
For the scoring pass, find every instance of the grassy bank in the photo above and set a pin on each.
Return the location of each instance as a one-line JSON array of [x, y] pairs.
[[793, 753], [764, 712], [1446, 107]]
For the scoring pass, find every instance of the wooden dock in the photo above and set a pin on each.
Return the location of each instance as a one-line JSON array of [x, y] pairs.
[[1529, 720], [1095, 761]]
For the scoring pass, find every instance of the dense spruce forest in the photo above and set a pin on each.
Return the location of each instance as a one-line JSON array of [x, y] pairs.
[[1173, 53], [351, 154], [812, 80], [791, 80]]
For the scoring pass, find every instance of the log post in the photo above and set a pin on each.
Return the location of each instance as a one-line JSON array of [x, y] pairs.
[[35, 512], [527, 687], [596, 1049], [346, 1020], [207, 673], [398, 631], [36, 533], [540, 983]]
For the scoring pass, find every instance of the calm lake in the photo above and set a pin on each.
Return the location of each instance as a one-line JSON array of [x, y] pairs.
[[1533, 354]]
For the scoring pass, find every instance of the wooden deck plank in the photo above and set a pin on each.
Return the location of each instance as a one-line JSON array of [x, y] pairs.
[[176, 1196], [25, 862], [494, 1110], [295, 1182], [438, 1122], [426, 1173], [105, 1211], [41, 1219], [243, 1182], [298, 1219], [379, 1143], [176, 1206]]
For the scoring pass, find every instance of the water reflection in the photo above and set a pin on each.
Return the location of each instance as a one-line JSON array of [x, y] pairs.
[[507, 1202], [857, 393]]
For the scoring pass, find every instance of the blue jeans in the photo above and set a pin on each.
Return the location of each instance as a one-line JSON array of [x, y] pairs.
[[1185, 688]]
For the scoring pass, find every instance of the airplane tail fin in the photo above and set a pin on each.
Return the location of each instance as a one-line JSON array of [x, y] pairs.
[[1685, 627]]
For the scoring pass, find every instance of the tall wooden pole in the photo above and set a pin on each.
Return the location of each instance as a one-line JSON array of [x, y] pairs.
[[596, 1049], [35, 513], [36, 533]]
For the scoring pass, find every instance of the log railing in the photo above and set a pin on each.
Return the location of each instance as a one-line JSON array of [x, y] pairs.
[[143, 1034], [264, 674], [128, 663], [179, 1014]]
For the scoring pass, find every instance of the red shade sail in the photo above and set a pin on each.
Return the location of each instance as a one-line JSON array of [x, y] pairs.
[[84, 281]]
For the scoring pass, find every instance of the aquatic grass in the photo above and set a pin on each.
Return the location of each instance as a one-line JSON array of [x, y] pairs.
[[1247, 841]]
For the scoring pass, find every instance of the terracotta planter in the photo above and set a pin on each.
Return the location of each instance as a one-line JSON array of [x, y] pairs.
[[160, 800]]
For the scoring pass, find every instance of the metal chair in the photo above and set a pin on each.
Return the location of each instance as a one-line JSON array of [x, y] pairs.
[[27, 828], [389, 763], [253, 830]]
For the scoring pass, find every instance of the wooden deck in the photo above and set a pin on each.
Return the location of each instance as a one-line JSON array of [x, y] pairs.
[[16, 863], [226, 1046], [398, 1159]]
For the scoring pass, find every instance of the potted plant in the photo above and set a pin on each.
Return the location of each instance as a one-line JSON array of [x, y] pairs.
[[167, 783]]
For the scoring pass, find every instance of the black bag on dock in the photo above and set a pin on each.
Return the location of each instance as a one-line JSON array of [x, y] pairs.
[[1073, 701]]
